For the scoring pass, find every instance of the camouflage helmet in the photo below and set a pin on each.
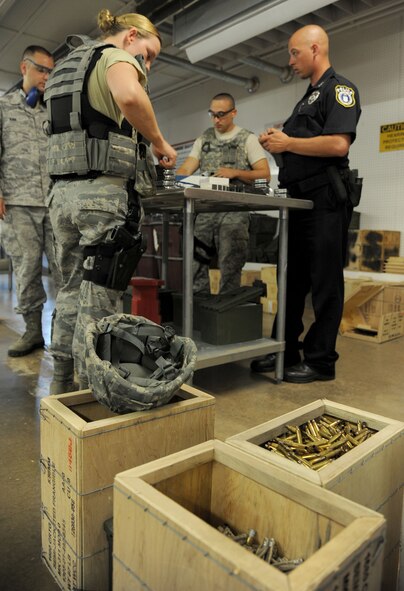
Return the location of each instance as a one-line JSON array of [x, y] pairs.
[[135, 364]]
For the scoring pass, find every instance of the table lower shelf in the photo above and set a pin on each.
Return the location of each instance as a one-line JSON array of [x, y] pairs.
[[211, 355]]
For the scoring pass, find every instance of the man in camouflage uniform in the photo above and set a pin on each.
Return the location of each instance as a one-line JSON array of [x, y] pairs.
[[24, 183], [228, 151], [92, 198]]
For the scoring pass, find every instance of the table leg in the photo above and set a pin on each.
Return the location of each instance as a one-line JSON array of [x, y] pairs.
[[282, 267], [164, 250], [188, 256]]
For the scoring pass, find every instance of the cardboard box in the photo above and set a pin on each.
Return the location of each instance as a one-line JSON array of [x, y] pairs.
[[214, 280], [83, 446], [166, 514], [268, 275], [269, 306], [372, 474], [353, 284], [374, 312], [368, 249], [248, 276]]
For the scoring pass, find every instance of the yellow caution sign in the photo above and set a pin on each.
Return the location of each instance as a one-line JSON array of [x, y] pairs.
[[391, 137]]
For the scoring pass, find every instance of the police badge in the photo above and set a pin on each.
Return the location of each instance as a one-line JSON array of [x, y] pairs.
[[345, 96]]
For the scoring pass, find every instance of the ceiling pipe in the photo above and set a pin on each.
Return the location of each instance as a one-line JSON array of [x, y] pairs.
[[167, 11], [250, 84], [285, 74]]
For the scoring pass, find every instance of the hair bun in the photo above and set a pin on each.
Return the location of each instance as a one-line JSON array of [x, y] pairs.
[[105, 20]]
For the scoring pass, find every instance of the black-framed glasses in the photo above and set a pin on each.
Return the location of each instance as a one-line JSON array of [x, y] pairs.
[[38, 67], [219, 114]]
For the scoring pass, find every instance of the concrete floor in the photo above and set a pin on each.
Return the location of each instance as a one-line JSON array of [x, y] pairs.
[[369, 377]]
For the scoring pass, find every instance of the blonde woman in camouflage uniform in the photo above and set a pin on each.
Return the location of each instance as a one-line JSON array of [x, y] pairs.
[[92, 158], [24, 184], [224, 150]]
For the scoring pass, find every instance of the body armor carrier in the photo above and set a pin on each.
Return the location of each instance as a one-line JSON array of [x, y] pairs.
[[83, 141], [230, 153], [214, 154]]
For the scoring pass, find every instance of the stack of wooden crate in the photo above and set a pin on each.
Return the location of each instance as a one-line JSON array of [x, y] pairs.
[[371, 474], [166, 516], [83, 446], [368, 249], [394, 265]]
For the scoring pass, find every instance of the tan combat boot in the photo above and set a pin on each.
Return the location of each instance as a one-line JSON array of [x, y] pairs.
[[31, 339], [63, 377]]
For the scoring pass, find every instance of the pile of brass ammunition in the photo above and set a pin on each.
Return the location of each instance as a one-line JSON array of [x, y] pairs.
[[267, 550], [319, 441]]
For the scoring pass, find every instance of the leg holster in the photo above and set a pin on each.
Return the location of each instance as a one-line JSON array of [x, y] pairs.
[[116, 259]]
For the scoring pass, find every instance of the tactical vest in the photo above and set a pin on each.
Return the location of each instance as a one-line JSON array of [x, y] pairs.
[[230, 153], [82, 140]]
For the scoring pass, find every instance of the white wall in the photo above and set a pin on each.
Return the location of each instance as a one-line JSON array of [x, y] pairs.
[[373, 58]]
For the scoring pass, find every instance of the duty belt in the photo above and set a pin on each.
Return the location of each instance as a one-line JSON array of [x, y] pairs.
[[313, 182], [93, 174], [307, 185]]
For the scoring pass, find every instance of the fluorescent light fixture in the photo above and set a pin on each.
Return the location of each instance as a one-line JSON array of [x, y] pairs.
[[225, 32]]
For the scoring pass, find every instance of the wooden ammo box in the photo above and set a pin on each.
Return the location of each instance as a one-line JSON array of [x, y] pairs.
[[83, 446], [374, 312], [371, 474], [166, 514]]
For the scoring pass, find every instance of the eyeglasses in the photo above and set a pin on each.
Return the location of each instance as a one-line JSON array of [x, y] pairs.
[[38, 67], [219, 114]]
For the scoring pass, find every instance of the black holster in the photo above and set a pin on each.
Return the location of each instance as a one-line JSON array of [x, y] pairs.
[[355, 184], [346, 184], [337, 183], [116, 259]]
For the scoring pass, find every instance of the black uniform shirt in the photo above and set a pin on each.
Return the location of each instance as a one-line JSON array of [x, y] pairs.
[[329, 107]]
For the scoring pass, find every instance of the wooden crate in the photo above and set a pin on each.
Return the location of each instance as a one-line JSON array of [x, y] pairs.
[[374, 312], [368, 249], [83, 446], [371, 474], [166, 514]]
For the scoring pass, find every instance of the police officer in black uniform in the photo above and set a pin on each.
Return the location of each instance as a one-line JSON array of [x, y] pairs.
[[313, 148]]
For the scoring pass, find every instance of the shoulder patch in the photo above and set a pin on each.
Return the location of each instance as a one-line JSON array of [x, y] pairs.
[[345, 96]]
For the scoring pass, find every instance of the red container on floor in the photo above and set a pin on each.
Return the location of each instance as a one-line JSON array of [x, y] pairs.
[[145, 297]]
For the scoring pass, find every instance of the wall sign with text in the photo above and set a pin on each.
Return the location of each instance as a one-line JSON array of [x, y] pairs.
[[391, 137]]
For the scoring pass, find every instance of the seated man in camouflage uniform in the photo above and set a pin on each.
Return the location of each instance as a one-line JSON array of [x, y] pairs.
[[228, 151]]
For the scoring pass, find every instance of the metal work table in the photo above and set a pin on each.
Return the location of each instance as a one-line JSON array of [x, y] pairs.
[[191, 201]]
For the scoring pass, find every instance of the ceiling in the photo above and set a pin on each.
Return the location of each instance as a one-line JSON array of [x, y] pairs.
[[48, 22]]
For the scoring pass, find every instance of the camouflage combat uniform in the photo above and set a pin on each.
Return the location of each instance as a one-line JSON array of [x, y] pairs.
[[82, 213], [85, 208], [225, 233], [24, 183]]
